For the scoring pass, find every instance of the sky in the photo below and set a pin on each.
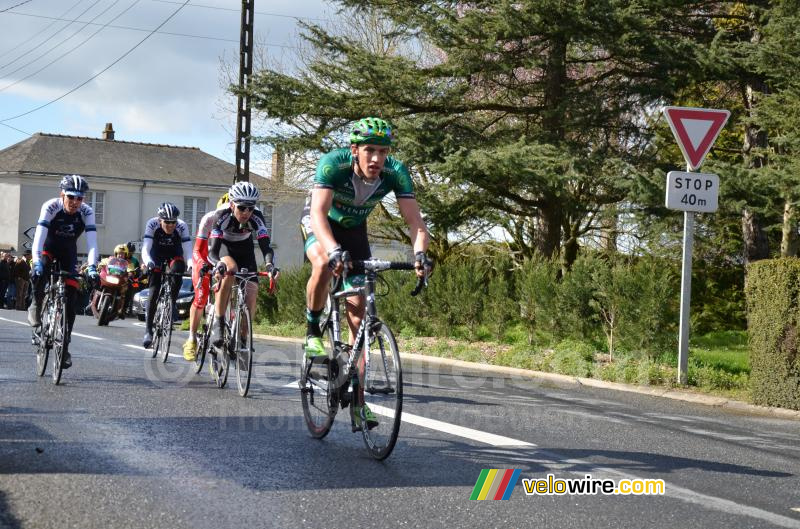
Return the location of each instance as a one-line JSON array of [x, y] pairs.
[[167, 90]]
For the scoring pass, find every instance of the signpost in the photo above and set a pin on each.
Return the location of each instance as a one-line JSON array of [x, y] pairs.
[[695, 130]]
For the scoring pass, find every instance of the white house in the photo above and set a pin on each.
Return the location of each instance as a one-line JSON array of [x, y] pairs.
[[128, 181]]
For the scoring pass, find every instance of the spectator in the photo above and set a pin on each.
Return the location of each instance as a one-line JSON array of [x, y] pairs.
[[12, 287], [22, 276], [5, 277]]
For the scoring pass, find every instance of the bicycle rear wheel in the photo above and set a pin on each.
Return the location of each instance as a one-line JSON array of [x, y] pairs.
[[43, 335], [59, 333], [318, 392], [380, 391], [243, 345]]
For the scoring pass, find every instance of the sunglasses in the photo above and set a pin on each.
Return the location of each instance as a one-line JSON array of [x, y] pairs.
[[74, 197], [170, 222], [245, 208]]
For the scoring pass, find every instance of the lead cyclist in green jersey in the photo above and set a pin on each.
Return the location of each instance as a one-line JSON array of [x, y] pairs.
[[348, 184]]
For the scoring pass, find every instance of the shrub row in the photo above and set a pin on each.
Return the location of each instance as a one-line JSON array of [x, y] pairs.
[[619, 304]]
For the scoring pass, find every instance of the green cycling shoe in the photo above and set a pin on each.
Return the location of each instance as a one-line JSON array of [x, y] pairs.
[[314, 347], [372, 421]]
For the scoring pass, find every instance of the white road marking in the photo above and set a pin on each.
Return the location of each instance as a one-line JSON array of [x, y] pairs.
[[15, 321], [453, 429], [86, 336], [796, 509], [137, 347]]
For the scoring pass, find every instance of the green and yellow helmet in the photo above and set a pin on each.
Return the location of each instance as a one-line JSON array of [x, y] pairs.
[[374, 131]]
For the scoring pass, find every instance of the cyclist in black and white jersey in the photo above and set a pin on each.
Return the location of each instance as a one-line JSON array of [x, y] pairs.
[[166, 240], [61, 221], [230, 247]]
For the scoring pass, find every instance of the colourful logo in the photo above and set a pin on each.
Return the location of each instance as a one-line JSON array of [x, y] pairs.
[[495, 484]]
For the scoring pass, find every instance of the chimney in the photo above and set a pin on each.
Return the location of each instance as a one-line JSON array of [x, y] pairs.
[[108, 133], [278, 166]]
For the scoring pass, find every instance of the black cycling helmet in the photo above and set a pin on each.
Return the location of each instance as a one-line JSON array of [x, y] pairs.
[[74, 185], [168, 211]]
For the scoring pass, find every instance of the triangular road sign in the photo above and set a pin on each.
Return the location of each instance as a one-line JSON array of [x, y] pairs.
[[695, 130]]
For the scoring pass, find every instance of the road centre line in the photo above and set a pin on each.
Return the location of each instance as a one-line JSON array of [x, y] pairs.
[[453, 429], [444, 427], [87, 336], [15, 321]]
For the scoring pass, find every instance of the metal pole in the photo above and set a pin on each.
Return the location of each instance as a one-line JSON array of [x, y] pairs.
[[686, 294], [243, 99]]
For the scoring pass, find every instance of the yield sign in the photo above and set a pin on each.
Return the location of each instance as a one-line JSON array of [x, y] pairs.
[[695, 130]]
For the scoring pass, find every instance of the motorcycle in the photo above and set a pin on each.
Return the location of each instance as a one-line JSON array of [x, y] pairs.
[[108, 300]]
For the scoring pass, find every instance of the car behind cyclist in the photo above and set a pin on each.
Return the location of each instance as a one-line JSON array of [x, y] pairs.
[[61, 221], [200, 279], [230, 248], [167, 240], [349, 183]]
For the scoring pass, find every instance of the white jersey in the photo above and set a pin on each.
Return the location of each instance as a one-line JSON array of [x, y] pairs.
[[158, 246]]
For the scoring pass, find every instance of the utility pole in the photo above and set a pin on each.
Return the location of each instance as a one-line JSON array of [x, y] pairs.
[[243, 100]]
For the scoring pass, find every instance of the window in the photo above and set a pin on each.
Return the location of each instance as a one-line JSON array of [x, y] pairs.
[[97, 200], [193, 210], [266, 209]]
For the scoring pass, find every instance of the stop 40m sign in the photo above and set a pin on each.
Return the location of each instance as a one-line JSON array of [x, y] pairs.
[[697, 192]]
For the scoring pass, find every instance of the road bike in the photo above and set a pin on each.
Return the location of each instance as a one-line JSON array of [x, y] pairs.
[[237, 345], [162, 319], [53, 333], [367, 375]]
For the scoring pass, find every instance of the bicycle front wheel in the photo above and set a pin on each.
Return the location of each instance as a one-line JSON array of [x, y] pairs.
[[166, 330], [203, 342], [43, 335], [380, 392], [59, 333], [243, 346], [157, 335]]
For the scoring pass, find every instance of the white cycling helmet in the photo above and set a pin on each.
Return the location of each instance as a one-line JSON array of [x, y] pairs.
[[168, 211], [244, 193]]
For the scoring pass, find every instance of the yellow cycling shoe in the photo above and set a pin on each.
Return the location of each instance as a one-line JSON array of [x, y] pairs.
[[190, 350]]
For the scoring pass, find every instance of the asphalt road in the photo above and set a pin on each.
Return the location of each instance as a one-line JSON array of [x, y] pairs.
[[127, 442]]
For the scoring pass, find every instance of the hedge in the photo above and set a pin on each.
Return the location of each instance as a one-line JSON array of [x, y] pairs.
[[772, 291]]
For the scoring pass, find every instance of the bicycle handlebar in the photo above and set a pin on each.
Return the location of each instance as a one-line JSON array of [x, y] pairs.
[[377, 265]]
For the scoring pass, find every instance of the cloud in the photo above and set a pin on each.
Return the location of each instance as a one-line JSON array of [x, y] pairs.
[[168, 86]]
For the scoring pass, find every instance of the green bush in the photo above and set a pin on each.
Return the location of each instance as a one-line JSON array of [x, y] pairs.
[[536, 292], [575, 316], [288, 303], [772, 289], [650, 315]]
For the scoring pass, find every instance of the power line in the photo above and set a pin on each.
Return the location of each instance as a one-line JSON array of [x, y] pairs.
[[98, 74], [12, 7], [131, 28], [239, 11], [15, 128], [103, 12], [51, 24], [87, 39], [51, 36]]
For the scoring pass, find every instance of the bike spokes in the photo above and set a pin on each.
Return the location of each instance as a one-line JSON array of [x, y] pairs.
[[379, 393], [243, 337]]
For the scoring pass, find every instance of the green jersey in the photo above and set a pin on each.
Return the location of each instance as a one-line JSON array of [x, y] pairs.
[[353, 198]]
